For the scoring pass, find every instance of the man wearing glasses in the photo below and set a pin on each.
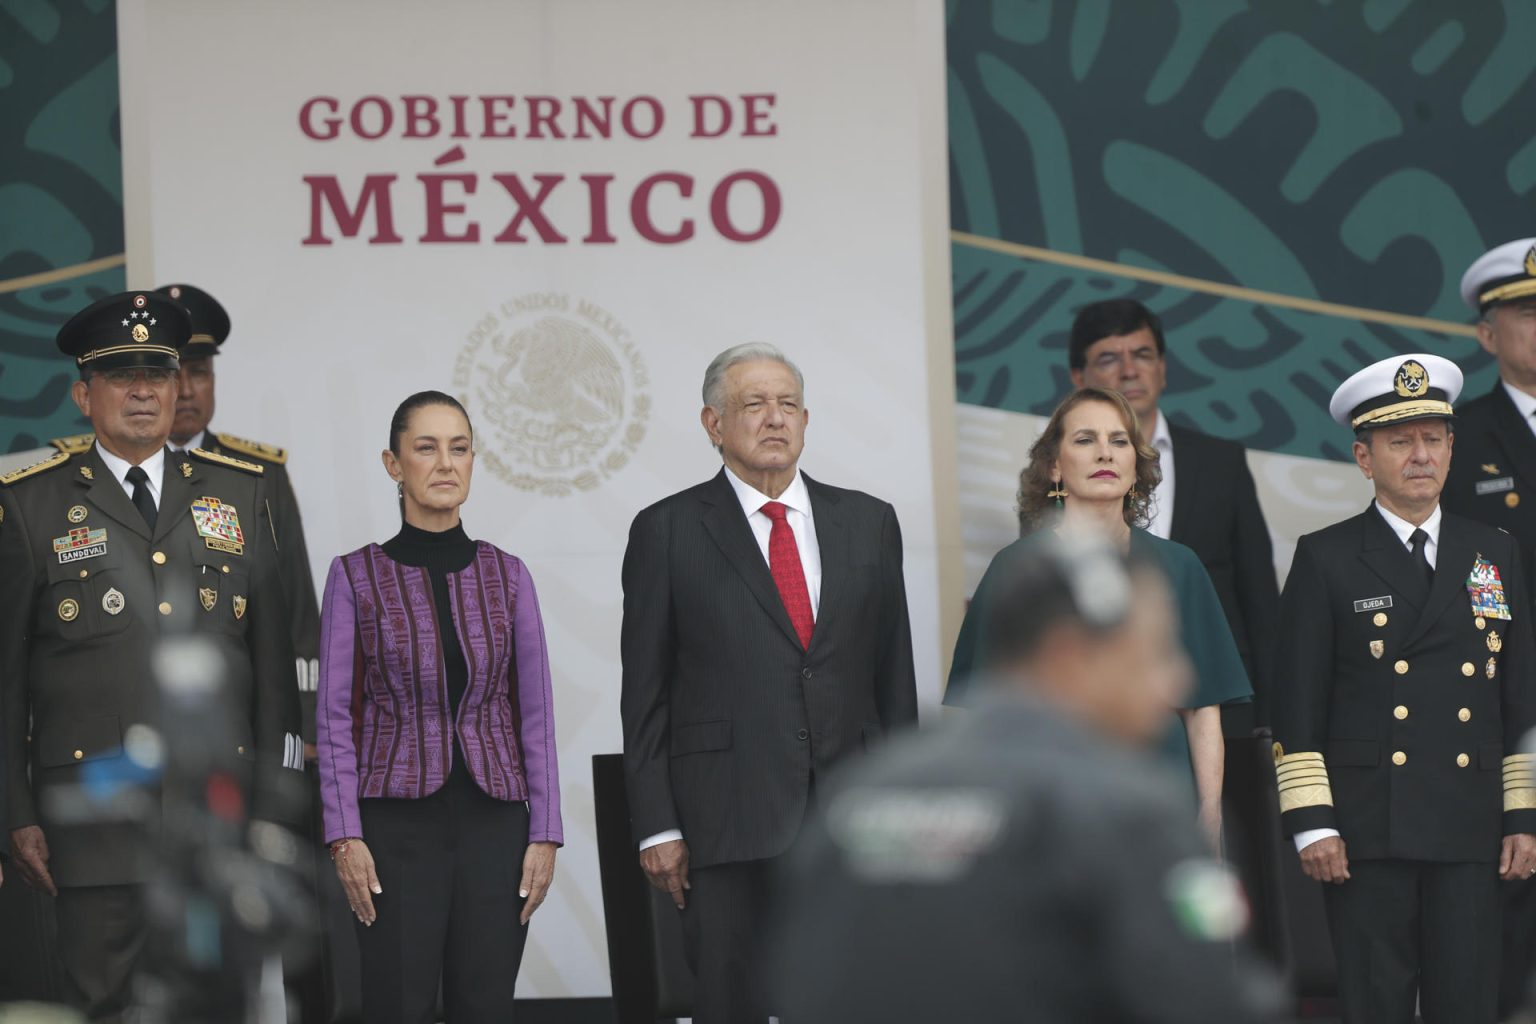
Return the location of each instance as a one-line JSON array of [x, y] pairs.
[[103, 554]]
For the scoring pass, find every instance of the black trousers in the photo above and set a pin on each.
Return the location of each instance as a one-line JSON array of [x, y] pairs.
[[723, 921], [101, 941], [1516, 988], [1406, 931], [449, 865]]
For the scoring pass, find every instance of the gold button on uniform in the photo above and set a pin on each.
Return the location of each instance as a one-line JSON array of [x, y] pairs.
[[1465, 714], [239, 750], [79, 754], [84, 573], [158, 558], [165, 607], [226, 568], [1462, 760], [1467, 668], [1380, 618], [1399, 758], [1400, 712], [1402, 668]]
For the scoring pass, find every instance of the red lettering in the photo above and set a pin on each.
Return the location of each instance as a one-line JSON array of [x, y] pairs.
[[332, 124], [628, 118], [386, 117], [597, 196], [542, 111], [640, 209], [529, 208], [438, 210], [585, 115], [420, 111], [752, 115], [701, 105], [324, 190], [492, 117], [720, 212]]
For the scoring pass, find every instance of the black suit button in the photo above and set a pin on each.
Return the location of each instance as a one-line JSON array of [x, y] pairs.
[[806, 673], [802, 735]]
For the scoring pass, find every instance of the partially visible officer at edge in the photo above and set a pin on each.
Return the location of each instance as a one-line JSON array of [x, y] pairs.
[[191, 429], [103, 554], [1403, 687], [1029, 863], [1493, 480]]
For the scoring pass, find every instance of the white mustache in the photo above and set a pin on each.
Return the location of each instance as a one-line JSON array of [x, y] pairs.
[[1415, 472]]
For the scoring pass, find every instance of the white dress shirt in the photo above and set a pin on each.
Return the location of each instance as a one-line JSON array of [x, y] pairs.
[[1524, 402], [801, 520], [1404, 531], [154, 468], [1161, 522]]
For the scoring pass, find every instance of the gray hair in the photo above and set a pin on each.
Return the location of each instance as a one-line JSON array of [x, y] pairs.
[[752, 351]]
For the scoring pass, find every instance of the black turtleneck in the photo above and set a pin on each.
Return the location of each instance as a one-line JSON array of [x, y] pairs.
[[440, 554]]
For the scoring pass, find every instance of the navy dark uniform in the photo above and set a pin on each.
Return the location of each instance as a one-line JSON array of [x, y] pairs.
[[1400, 702], [1493, 480], [89, 588]]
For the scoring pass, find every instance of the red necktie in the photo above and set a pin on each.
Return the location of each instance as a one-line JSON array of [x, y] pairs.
[[788, 573]]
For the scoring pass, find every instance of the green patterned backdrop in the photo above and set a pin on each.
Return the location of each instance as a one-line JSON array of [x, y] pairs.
[[1359, 152], [61, 200]]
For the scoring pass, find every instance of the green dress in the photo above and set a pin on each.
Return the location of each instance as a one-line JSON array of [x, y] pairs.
[[1219, 674]]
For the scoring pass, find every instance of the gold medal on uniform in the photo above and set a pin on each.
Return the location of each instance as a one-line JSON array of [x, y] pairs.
[[76, 514], [239, 606], [208, 596], [112, 602], [1495, 642], [218, 525], [1378, 648], [69, 609]]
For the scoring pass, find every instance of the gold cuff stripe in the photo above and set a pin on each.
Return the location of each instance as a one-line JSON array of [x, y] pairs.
[[1403, 410], [1317, 779], [1522, 799], [1519, 771], [1513, 290], [1306, 796], [97, 353]]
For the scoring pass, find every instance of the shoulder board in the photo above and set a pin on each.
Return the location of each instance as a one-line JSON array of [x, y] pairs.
[[56, 459], [225, 460], [255, 449], [75, 444]]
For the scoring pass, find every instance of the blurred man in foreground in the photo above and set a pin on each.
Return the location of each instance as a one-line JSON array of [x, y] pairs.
[[1028, 863]]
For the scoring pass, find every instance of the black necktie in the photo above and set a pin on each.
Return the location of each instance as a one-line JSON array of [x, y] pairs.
[[1417, 541], [142, 499]]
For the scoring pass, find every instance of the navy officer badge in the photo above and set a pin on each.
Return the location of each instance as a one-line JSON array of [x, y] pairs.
[[1412, 380]]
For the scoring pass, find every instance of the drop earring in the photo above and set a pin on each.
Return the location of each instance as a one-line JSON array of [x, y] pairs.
[[1058, 492], [399, 488]]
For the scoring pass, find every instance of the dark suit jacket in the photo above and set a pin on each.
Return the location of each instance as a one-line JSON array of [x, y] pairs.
[[1216, 513], [1493, 471], [77, 636], [1436, 688], [726, 717]]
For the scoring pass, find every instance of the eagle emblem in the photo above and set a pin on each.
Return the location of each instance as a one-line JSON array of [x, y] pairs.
[[1412, 380]]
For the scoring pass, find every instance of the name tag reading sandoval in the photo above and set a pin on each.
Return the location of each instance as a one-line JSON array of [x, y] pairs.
[[1372, 604]]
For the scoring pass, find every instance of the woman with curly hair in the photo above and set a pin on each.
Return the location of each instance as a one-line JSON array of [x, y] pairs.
[[1092, 471]]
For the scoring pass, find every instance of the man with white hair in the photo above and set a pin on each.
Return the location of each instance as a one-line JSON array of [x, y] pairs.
[[765, 638], [1402, 690]]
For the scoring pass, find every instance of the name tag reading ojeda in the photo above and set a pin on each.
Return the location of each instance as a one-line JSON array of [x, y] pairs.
[[1499, 486], [1372, 604]]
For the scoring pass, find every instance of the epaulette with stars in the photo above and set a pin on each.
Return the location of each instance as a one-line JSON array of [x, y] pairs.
[[56, 459], [255, 449], [225, 460]]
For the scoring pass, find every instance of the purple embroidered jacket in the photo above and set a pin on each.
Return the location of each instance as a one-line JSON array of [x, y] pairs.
[[383, 727]]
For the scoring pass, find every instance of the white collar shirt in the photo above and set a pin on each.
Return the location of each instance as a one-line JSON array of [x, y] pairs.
[[1524, 402], [154, 468], [1404, 530], [1161, 522], [800, 519], [195, 441]]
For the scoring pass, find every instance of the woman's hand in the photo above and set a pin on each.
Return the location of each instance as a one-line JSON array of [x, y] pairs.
[[538, 873], [354, 866]]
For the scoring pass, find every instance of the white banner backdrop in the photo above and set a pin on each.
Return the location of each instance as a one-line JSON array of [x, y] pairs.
[[558, 211]]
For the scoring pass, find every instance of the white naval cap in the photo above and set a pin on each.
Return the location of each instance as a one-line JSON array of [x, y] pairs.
[[1502, 273], [1415, 386]]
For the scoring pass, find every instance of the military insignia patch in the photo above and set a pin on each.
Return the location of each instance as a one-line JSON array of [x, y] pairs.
[[113, 602], [218, 525], [1487, 591], [79, 544], [85, 471], [208, 596], [69, 609], [76, 514], [1495, 643], [239, 606], [1490, 469], [1412, 380], [186, 470], [1378, 648]]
